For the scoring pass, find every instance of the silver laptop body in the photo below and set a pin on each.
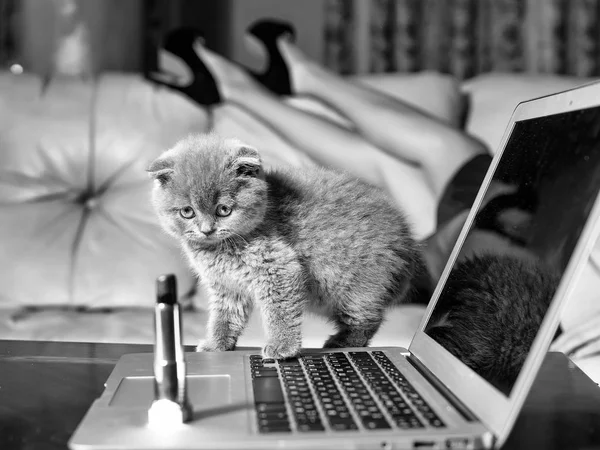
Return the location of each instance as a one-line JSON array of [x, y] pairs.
[[455, 405]]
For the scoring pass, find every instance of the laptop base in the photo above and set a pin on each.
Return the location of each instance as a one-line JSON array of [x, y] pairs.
[[224, 415]]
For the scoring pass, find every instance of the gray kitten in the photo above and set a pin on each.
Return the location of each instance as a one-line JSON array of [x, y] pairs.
[[288, 241]]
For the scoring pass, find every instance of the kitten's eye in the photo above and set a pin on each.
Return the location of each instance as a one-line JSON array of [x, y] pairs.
[[223, 210], [187, 212]]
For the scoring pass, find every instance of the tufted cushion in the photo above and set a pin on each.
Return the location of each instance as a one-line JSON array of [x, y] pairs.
[[76, 221]]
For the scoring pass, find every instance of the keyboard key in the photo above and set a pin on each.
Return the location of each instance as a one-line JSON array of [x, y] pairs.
[[273, 423], [275, 429], [376, 424], [267, 390], [289, 362], [264, 372], [270, 407], [342, 424], [310, 425]]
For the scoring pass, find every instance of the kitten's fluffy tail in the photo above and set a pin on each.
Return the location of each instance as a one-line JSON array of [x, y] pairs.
[[422, 284]]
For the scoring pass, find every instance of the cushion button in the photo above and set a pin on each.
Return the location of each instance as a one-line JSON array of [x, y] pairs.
[[91, 203]]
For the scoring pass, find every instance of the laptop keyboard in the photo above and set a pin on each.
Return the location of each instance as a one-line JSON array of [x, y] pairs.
[[336, 391]]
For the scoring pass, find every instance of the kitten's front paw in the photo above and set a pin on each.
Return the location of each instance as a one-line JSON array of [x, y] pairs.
[[210, 346], [280, 350], [335, 342], [345, 341], [206, 346]]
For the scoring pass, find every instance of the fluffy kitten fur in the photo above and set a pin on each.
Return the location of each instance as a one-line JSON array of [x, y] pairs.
[[490, 311], [287, 241]]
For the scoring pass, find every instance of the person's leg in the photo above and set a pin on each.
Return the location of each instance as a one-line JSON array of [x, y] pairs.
[[393, 126], [326, 143]]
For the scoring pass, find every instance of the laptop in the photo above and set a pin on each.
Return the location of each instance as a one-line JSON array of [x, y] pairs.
[[426, 396]]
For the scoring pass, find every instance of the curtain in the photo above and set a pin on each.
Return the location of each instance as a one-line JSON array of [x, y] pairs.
[[7, 43], [463, 37]]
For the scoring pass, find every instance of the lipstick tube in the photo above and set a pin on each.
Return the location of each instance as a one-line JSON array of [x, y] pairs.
[[170, 403]]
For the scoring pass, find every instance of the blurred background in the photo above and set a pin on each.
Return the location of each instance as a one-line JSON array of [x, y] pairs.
[[80, 123], [459, 37]]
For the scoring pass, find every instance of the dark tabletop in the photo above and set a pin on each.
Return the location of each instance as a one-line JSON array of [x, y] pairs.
[[46, 388]]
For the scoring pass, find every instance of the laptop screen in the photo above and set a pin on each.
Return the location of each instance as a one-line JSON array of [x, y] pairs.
[[519, 244]]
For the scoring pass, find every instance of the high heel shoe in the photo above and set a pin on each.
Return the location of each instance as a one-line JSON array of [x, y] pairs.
[[183, 70], [276, 77]]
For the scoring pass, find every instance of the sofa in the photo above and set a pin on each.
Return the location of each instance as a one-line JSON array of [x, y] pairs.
[[80, 244]]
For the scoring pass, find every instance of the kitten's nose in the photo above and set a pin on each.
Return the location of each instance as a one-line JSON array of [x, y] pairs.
[[207, 229]]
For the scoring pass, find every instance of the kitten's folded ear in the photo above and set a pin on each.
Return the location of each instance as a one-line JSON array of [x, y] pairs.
[[247, 162], [161, 169]]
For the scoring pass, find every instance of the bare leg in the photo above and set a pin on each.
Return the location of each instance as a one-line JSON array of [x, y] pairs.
[[393, 126], [326, 143]]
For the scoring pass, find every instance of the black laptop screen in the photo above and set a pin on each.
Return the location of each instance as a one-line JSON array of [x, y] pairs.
[[519, 244]]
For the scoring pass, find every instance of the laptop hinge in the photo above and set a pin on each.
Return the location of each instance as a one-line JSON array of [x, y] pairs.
[[442, 389]]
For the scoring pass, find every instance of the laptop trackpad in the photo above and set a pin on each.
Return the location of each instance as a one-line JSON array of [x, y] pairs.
[[203, 391]]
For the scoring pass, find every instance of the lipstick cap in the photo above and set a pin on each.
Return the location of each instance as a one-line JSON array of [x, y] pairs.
[[166, 289]]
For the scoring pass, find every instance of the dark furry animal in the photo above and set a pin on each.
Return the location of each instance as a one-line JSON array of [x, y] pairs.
[[490, 311]]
